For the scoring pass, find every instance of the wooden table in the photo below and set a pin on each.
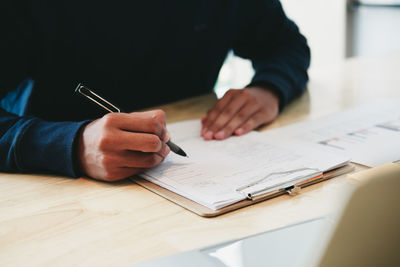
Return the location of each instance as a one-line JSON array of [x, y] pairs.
[[57, 221]]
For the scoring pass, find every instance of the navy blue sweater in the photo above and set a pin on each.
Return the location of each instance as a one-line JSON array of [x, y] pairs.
[[137, 54]]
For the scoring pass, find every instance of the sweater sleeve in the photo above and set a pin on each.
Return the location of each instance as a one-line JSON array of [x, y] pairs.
[[278, 51], [29, 144]]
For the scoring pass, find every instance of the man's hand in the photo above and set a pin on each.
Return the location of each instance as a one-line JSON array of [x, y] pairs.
[[119, 145], [240, 111]]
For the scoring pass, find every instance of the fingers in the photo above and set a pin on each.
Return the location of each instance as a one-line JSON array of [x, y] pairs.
[[145, 122], [141, 159], [242, 116], [141, 131], [239, 112], [253, 122], [131, 159], [218, 127], [122, 164], [220, 120], [114, 166], [123, 140], [215, 111]]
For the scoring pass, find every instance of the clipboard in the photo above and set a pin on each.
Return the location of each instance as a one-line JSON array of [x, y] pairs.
[[207, 212]]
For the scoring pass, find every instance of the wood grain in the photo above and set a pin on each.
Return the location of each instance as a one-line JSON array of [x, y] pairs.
[[57, 221]]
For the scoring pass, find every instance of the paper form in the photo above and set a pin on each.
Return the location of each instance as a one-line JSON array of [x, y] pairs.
[[215, 169], [369, 134]]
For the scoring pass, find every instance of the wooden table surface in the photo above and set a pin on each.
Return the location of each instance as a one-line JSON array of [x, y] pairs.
[[56, 221]]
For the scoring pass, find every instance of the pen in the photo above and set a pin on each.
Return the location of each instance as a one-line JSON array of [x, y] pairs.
[[89, 94]]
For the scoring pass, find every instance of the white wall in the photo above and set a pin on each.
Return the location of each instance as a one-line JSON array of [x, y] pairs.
[[323, 22]]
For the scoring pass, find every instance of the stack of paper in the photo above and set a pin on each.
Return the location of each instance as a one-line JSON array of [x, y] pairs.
[[368, 134], [220, 173]]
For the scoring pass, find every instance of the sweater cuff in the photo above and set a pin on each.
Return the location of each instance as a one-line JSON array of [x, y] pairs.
[[277, 84], [50, 146]]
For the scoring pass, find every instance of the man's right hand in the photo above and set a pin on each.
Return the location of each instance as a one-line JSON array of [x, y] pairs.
[[119, 145]]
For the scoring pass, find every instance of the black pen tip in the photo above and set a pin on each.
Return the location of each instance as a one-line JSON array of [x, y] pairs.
[[176, 149], [182, 153]]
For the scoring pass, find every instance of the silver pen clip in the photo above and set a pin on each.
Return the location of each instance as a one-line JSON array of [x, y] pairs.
[[86, 92]]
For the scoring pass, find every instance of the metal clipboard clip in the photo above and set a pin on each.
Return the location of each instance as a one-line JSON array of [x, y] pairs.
[[290, 186]]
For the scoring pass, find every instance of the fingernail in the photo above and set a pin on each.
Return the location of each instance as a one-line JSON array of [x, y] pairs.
[[203, 131], [208, 135], [220, 135], [239, 131]]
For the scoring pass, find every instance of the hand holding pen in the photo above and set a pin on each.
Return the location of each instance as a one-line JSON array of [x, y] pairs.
[[119, 145]]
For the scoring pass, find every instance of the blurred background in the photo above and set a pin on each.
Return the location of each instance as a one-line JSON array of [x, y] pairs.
[[335, 30]]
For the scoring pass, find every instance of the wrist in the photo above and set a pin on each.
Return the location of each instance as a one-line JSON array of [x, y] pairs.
[[78, 150], [270, 97], [274, 90]]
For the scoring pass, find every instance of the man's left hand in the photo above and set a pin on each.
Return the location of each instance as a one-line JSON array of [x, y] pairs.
[[239, 111]]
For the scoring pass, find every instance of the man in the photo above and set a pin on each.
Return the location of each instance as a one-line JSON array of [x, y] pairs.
[[137, 54]]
